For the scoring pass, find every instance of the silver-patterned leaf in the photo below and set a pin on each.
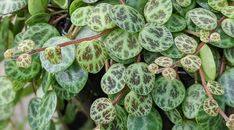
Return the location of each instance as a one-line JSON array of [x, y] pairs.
[[164, 61], [7, 93], [155, 38], [215, 87], [176, 23], [191, 63], [10, 6], [217, 4], [228, 11], [6, 111], [186, 44], [81, 15], [174, 116], [184, 3], [228, 27], [211, 107]]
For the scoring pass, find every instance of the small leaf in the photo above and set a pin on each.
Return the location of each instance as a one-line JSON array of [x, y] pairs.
[[152, 121], [203, 18], [53, 54], [26, 46], [127, 18], [7, 94], [137, 105], [155, 38], [230, 122], [186, 44], [68, 55], [153, 68], [211, 107], [204, 35], [191, 63], [81, 15], [168, 94], [228, 11], [176, 23], [99, 19], [174, 116], [164, 61], [122, 45], [139, 79], [217, 4], [10, 6], [113, 81], [38, 18], [91, 56], [157, 11], [215, 88], [227, 26], [102, 111], [24, 61], [169, 73], [184, 3]]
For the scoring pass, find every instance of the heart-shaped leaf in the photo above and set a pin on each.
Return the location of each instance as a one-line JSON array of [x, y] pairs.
[[139, 79], [168, 94], [215, 88], [68, 55], [217, 4], [91, 56], [113, 81], [73, 79], [203, 18], [191, 63], [10, 6], [229, 55], [184, 3], [193, 101], [7, 94], [226, 81], [228, 11], [208, 64], [176, 23], [138, 105], [81, 15], [127, 18], [102, 111], [157, 11], [174, 116], [155, 38], [186, 44], [99, 19], [227, 26], [152, 121], [122, 44]]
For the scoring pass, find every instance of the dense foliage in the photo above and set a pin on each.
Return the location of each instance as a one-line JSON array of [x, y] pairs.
[[149, 50]]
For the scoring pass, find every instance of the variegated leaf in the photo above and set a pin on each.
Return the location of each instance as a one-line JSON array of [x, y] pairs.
[[186, 44], [228, 11], [176, 23], [91, 56], [138, 105], [168, 94], [158, 11], [10, 6], [215, 88], [211, 107], [7, 94], [173, 52], [127, 18], [191, 63], [184, 3], [164, 61], [139, 79], [81, 15], [217, 4], [113, 81], [155, 38], [102, 111], [62, 93], [6, 111], [169, 73], [228, 27], [174, 116], [229, 55], [89, 1]]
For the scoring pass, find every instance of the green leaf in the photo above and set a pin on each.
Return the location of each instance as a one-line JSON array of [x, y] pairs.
[[137, 4], [75, 5], [37, 6], [158, 11], [137, 105], [5, 34], [164, 61], [33, 112], [10, 6], [99, 19], [176, 23], [102, 111], [226, 80], [90, 1], [191, 63], [73, 79], [61, 3], [38, 18], [227, 26], [186, 44], [149, 57], [208, 64], [81, 15], [155, 38], [130, 19], [215, 88], [193, 101], [168, 94], [229, 55], [139, 79], [47, 81], [203, 18], [188, 125], [6, 89], [68, 55], [173, 52], [184, 3], [63, 93], [91, 56], [6, 111], [217, 4], [113, 81], [122, 45], [174, 116], [228, 11], [152, 121]]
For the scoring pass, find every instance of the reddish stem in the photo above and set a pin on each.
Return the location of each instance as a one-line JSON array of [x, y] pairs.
[[120, 96], [122, 1], [223, 65]]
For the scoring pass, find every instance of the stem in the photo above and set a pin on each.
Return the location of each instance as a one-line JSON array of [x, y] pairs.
[[74, 42], [107, 65], [202, 75], [122, 1], [139, 58], [223, 65], [192, 33], [120, 96], [59, 18], [199, 47], [58, 12]]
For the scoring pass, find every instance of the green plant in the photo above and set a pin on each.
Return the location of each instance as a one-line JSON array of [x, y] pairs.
[[144, 45]]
